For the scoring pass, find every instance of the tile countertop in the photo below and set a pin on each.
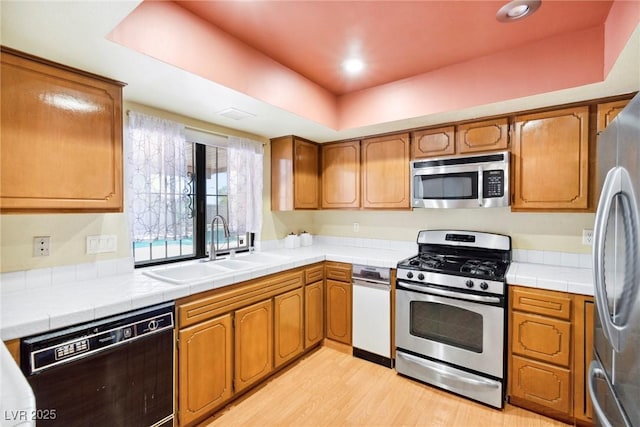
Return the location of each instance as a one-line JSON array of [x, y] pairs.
[[552, 277], [28, 310], [31, 310]]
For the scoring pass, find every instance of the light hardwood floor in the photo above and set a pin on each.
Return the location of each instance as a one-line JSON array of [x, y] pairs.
[[331, 388]]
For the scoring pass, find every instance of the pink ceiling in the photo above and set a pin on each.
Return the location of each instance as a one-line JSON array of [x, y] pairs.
[[397, 39], [424, 57]]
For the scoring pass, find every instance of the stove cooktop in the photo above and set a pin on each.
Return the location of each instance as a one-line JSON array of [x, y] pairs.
[[458, 265]]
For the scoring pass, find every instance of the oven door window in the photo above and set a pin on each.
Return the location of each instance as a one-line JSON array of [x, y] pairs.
[[449, 186], [446, 324]]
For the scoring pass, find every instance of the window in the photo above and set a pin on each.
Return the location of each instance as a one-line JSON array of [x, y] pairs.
[[174, 194]]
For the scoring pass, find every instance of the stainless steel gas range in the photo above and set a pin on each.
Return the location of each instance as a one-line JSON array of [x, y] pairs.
[[451, 313]]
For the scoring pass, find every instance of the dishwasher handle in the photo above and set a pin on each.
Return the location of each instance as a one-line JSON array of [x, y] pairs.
[[372, 284]]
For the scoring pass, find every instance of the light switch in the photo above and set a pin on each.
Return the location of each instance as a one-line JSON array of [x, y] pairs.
[[102, 243]]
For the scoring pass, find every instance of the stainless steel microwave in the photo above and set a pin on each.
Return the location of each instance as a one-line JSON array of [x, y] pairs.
[[478, 181]]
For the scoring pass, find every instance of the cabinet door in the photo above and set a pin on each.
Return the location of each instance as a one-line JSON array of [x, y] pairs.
[[204, 368], [253, 343], [433, 142], [607, 112], [314, 314], [341, 175], [583, 350], [339, 311], [385, 172], [551, 160], [488, 135], [542, 384], [60, 139], [288, 327], [542, 338], [306, 179]]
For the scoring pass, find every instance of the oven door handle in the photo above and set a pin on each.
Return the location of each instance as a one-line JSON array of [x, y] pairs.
[[445, 373], [450, 294]]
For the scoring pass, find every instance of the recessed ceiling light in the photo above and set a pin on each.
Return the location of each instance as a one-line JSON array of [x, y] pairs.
[[353, 66], [517, 9]]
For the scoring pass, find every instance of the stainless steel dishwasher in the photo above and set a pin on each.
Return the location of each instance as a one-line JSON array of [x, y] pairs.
[[116, 371], [371, 313]]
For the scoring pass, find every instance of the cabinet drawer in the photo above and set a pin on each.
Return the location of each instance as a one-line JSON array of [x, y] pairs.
[[541, 383], [547, 303], [541, 338], [225, 300], [338, 271], [314, 274]]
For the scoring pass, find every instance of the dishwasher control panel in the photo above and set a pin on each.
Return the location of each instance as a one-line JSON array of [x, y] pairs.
[[374, 274], [59, 347]]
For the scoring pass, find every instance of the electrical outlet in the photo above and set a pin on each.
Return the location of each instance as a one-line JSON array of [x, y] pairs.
[[41, 246], [356, 227], [587, 237]]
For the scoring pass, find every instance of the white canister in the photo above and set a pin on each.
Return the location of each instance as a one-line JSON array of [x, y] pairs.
[[292, 241], [306, 239]]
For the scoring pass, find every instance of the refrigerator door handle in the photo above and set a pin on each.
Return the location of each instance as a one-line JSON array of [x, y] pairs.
[[596, 371], [617, 184]]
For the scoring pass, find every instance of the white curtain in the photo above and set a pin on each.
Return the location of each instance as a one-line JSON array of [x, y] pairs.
[[245, 160], [158, 205]]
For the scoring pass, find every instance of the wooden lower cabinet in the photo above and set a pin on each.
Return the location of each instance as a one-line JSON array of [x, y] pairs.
[[543, 384], [314, 313], [204, 368], [253, 341], [551, 341], [289, 326], [339, 311], [583, 345], [232, 338]]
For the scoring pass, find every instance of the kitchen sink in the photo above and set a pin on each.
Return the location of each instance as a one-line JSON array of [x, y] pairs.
[[261, 258], [204, 269], [186, 273], [233, 264]]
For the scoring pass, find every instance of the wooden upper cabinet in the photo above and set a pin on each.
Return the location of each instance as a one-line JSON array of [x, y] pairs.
[[433, 142], [608, 111], [341, 175], [551, 161], [60, 138], [295, 179], [385, 172], [486, 135]]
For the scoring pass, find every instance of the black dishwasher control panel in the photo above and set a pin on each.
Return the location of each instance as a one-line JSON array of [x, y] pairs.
[[58, 347]]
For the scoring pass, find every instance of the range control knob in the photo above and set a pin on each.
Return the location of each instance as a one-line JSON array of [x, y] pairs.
[[409, 275], [469, 283], [420, 276], [484, 286]]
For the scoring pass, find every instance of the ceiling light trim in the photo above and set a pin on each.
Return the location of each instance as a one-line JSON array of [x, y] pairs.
[[517, 9]]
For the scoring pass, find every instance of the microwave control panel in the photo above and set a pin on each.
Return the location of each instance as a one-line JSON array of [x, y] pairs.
[[493, 183]]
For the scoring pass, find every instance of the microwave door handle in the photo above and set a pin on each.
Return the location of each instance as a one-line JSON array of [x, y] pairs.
[[480, 186]]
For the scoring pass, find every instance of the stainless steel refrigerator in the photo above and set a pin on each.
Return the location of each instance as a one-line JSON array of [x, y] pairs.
[[614, 374]]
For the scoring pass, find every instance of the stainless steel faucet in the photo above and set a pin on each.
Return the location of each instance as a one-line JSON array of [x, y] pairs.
[[212, 247]]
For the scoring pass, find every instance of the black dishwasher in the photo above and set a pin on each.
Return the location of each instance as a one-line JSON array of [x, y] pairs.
[[116, 371]]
